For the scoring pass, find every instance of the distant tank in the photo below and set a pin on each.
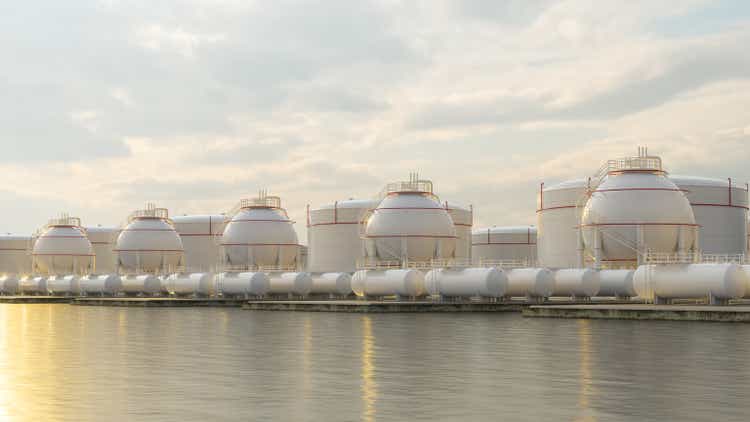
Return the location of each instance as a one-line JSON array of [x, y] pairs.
[[62, 247], [149, 243], [200, 235], [15, 254], [512, 243], [103, 244]]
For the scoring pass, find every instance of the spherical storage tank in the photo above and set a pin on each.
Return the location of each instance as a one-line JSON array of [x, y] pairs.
[[720, 210], [103, 244], [149, 243], [409, 224], [334, 235], [15, 254], [558, 216], [517, 243], [260, 235], [635, 209], [63, 248], [200, 235]]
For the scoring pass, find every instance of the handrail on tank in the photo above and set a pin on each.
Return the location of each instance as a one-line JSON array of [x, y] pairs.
[[413, 185], [263, 200], [64, 220], [642, 162], [151, 211]]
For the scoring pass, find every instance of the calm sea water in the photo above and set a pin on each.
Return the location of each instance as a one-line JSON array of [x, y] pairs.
[[60, 362]]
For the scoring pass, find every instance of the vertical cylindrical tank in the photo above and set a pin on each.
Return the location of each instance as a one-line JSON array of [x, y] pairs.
[[339, 284], [558, 216], [294, 283], [720, 210], [15, 254], [530, 282], [105, 284], [463, 222], [141, 284], [690, 281], [576, 282], [616, 283], [200, 235], [514, 243], [184, 284], [466, 282], [103, 245], [63, 248], [149, 243], [243, 284], [9, 285], [334, 235], [377, 283]]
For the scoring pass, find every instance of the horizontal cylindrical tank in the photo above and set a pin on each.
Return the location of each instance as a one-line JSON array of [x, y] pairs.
[[513, 243], [530, 282], [294, 283], [243, 284], [33, 285], [200, 235], [200, 284], [616, 283], [15, 254], [690, 281], [144, 283], [558, 217], [332, 283], [466, 282], [105, 284], [400, 282], [63, 285], [9, 285], [576, 282]]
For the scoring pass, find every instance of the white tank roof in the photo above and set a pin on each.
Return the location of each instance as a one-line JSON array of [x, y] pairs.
[[568, 184], [351, 203], [683, 180], [506, 230]]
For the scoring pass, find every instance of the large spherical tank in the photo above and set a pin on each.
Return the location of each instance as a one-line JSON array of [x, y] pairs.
[[260, 236], [334, 235], [184, 284], [332, 284], [290, 283], [412, 226], [631, 201], [516, 243], [466, 282], [558, 216], [720, 210], [103, 244], [576, 282], [616, 283], [690, 281], [402, 282], [463, 221], [149, 244], [15, 254], [105, 284], [200, 235], [530, 282], [243, 284], [9, 285], [63, 249]]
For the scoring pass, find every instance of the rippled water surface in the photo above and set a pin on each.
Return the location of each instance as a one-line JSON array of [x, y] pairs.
[[61, 362]]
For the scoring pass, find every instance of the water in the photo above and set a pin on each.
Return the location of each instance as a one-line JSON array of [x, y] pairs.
[[60, 362]]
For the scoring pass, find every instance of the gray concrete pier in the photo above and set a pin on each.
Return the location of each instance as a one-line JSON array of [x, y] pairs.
[[384, 306], [732, 313]]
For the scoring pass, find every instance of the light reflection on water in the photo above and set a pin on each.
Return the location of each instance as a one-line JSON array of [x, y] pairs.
[[60, 362]]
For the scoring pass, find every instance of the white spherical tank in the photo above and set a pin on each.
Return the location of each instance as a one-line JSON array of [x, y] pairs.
[[498, 244], [463, 221], [9, 285], [105, 284], [149, 243], [298, 284], [634, 210], [576, 282], [616, 283], [402, 282], [193, 284], [103, 244], [530, 282], [242, 284], [410, 224], [339, 284], [15, 254], [200, 235], [63, 248], [690, 281], [260, 235], [466, 282], [141, 284], [558, 216], [334, 235], [720, 210]]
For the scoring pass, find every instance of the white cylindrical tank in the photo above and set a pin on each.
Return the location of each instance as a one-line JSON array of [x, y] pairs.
[[634, 210], [105, 284], [290, 283], [576, 282], [400, 282], [260, 235], [466, 282], [9, 285], [409, 224], [496, 244], [30, 285], [182, 284], [200, 235], [103, 244], [334, 235], [463, 221], [339, 284], [530, 282], [690, 281], [63, 248], [141, 284], [243, 284], [149, 243], [558, 216], [63, 285], [15, 254], [616, 283], [720, 210]]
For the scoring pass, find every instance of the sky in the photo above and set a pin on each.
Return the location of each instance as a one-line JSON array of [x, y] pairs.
[[194, 104]]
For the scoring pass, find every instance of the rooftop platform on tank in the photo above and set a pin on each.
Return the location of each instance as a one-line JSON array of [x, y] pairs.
[[162, 302], [380, 306], [35, 299], [737, 312]]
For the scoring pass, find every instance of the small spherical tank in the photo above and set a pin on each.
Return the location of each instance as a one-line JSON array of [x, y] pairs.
[[149, 243]]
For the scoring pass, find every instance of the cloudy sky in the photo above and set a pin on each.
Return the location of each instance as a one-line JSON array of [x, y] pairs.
[[194, 104]]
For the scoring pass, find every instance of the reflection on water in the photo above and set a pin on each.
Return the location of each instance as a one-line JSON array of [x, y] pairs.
[[60, 362]]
